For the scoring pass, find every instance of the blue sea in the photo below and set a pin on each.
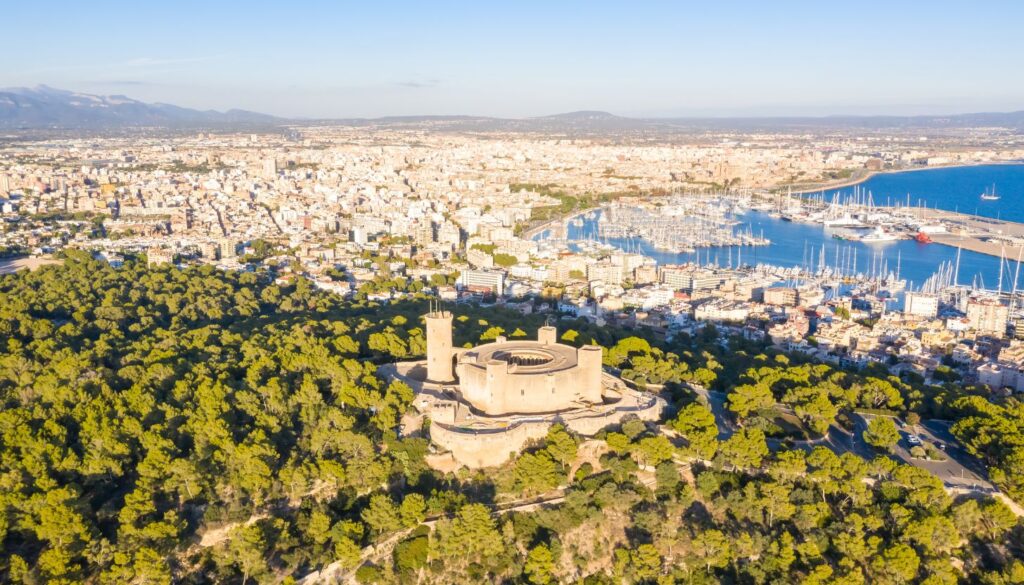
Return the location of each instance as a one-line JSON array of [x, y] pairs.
[[799, 244], [950, 188]]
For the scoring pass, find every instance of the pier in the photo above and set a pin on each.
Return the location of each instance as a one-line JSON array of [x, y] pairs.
[[984, 235], [856, 212]]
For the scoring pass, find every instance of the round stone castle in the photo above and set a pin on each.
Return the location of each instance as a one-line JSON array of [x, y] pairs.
[[508, 377], [487, 402]]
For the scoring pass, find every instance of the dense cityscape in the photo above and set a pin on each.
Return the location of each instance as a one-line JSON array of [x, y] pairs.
[[389, 214], [764, 324]]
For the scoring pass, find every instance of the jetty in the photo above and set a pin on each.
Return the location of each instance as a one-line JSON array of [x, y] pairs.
[[985, 235], [857, 212]]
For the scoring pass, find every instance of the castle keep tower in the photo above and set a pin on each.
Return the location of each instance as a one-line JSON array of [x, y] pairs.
[[439, 346], [547, 335], [588, 358]]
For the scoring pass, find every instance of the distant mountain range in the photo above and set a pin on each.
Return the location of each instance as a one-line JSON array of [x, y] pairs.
[[44, 107]]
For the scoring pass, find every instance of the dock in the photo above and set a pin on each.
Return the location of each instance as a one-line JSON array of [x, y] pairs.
[[985, 235]]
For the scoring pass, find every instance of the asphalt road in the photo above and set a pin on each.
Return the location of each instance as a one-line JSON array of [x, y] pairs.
[[959, 470], [716, 401]]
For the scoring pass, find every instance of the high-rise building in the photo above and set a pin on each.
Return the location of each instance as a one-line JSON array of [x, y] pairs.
[[921, 304], [269, 168], [689, 280], [228, 248], [423, 233], [783, 296], [605, 272], [483, 281], [988, 316]]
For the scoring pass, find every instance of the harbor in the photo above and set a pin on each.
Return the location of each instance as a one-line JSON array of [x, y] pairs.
[[994, 237], [679, 223], [797, 249], [853, 233], [856, 218]]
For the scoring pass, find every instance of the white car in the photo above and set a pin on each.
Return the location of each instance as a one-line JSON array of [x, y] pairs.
[[913, 440]]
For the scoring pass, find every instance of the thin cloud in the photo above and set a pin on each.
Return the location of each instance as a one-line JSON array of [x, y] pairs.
[[416, 84], [124, 82], [155, 62]]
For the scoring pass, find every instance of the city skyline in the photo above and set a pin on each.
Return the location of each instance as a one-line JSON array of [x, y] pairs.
[[656, 60]]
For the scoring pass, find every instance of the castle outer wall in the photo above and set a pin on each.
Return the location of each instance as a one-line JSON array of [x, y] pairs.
[[476, 448]]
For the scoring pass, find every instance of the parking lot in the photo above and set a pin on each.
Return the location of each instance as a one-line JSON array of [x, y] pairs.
[[958, 470]]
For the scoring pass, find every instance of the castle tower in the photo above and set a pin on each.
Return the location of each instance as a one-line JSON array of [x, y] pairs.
[[439, 346], [588, 358], [547, 335]]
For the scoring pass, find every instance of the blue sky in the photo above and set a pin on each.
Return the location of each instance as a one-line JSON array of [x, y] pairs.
[[524, 58]]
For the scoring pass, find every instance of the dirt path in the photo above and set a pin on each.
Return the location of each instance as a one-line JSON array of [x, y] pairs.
[[375, 553], [219, 535]]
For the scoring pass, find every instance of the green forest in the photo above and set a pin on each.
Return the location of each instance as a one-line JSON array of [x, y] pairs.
[[165, 425]]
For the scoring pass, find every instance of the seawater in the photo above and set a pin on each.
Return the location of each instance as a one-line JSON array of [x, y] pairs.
[[949, 188], [800, 244]]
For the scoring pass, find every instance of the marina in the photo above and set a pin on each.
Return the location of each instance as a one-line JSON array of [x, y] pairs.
[[800, 249], [957, 189], [679, 224]]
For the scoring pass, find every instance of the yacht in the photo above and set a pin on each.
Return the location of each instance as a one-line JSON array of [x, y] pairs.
[[845, 221], [990, 195], [879, 235]]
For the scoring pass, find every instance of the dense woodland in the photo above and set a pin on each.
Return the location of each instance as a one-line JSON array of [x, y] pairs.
[[162, 425]]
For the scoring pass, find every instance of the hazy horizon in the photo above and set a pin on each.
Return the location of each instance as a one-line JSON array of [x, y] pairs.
[[315, 60]]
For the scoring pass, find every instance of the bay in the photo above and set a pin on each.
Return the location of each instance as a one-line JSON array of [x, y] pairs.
[[800, 244], [949, 188]]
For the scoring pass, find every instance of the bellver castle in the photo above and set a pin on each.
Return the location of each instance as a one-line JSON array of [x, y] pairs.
[[485, 403]]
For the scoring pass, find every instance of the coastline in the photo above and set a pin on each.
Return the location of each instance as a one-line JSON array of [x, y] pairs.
[[871, 174]]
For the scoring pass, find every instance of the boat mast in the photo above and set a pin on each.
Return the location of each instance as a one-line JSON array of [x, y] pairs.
[[956, 272], [1016, 274], [999, 290]]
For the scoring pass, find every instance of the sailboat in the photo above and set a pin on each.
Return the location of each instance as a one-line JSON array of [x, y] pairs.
[[990, 195]]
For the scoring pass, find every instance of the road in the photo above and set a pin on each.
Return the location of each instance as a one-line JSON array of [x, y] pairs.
[[335, 573], [959, 471], [838, 439], [716, 401], [969, 467]]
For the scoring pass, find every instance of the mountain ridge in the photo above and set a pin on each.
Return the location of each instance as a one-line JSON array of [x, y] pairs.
[[47, 107]]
